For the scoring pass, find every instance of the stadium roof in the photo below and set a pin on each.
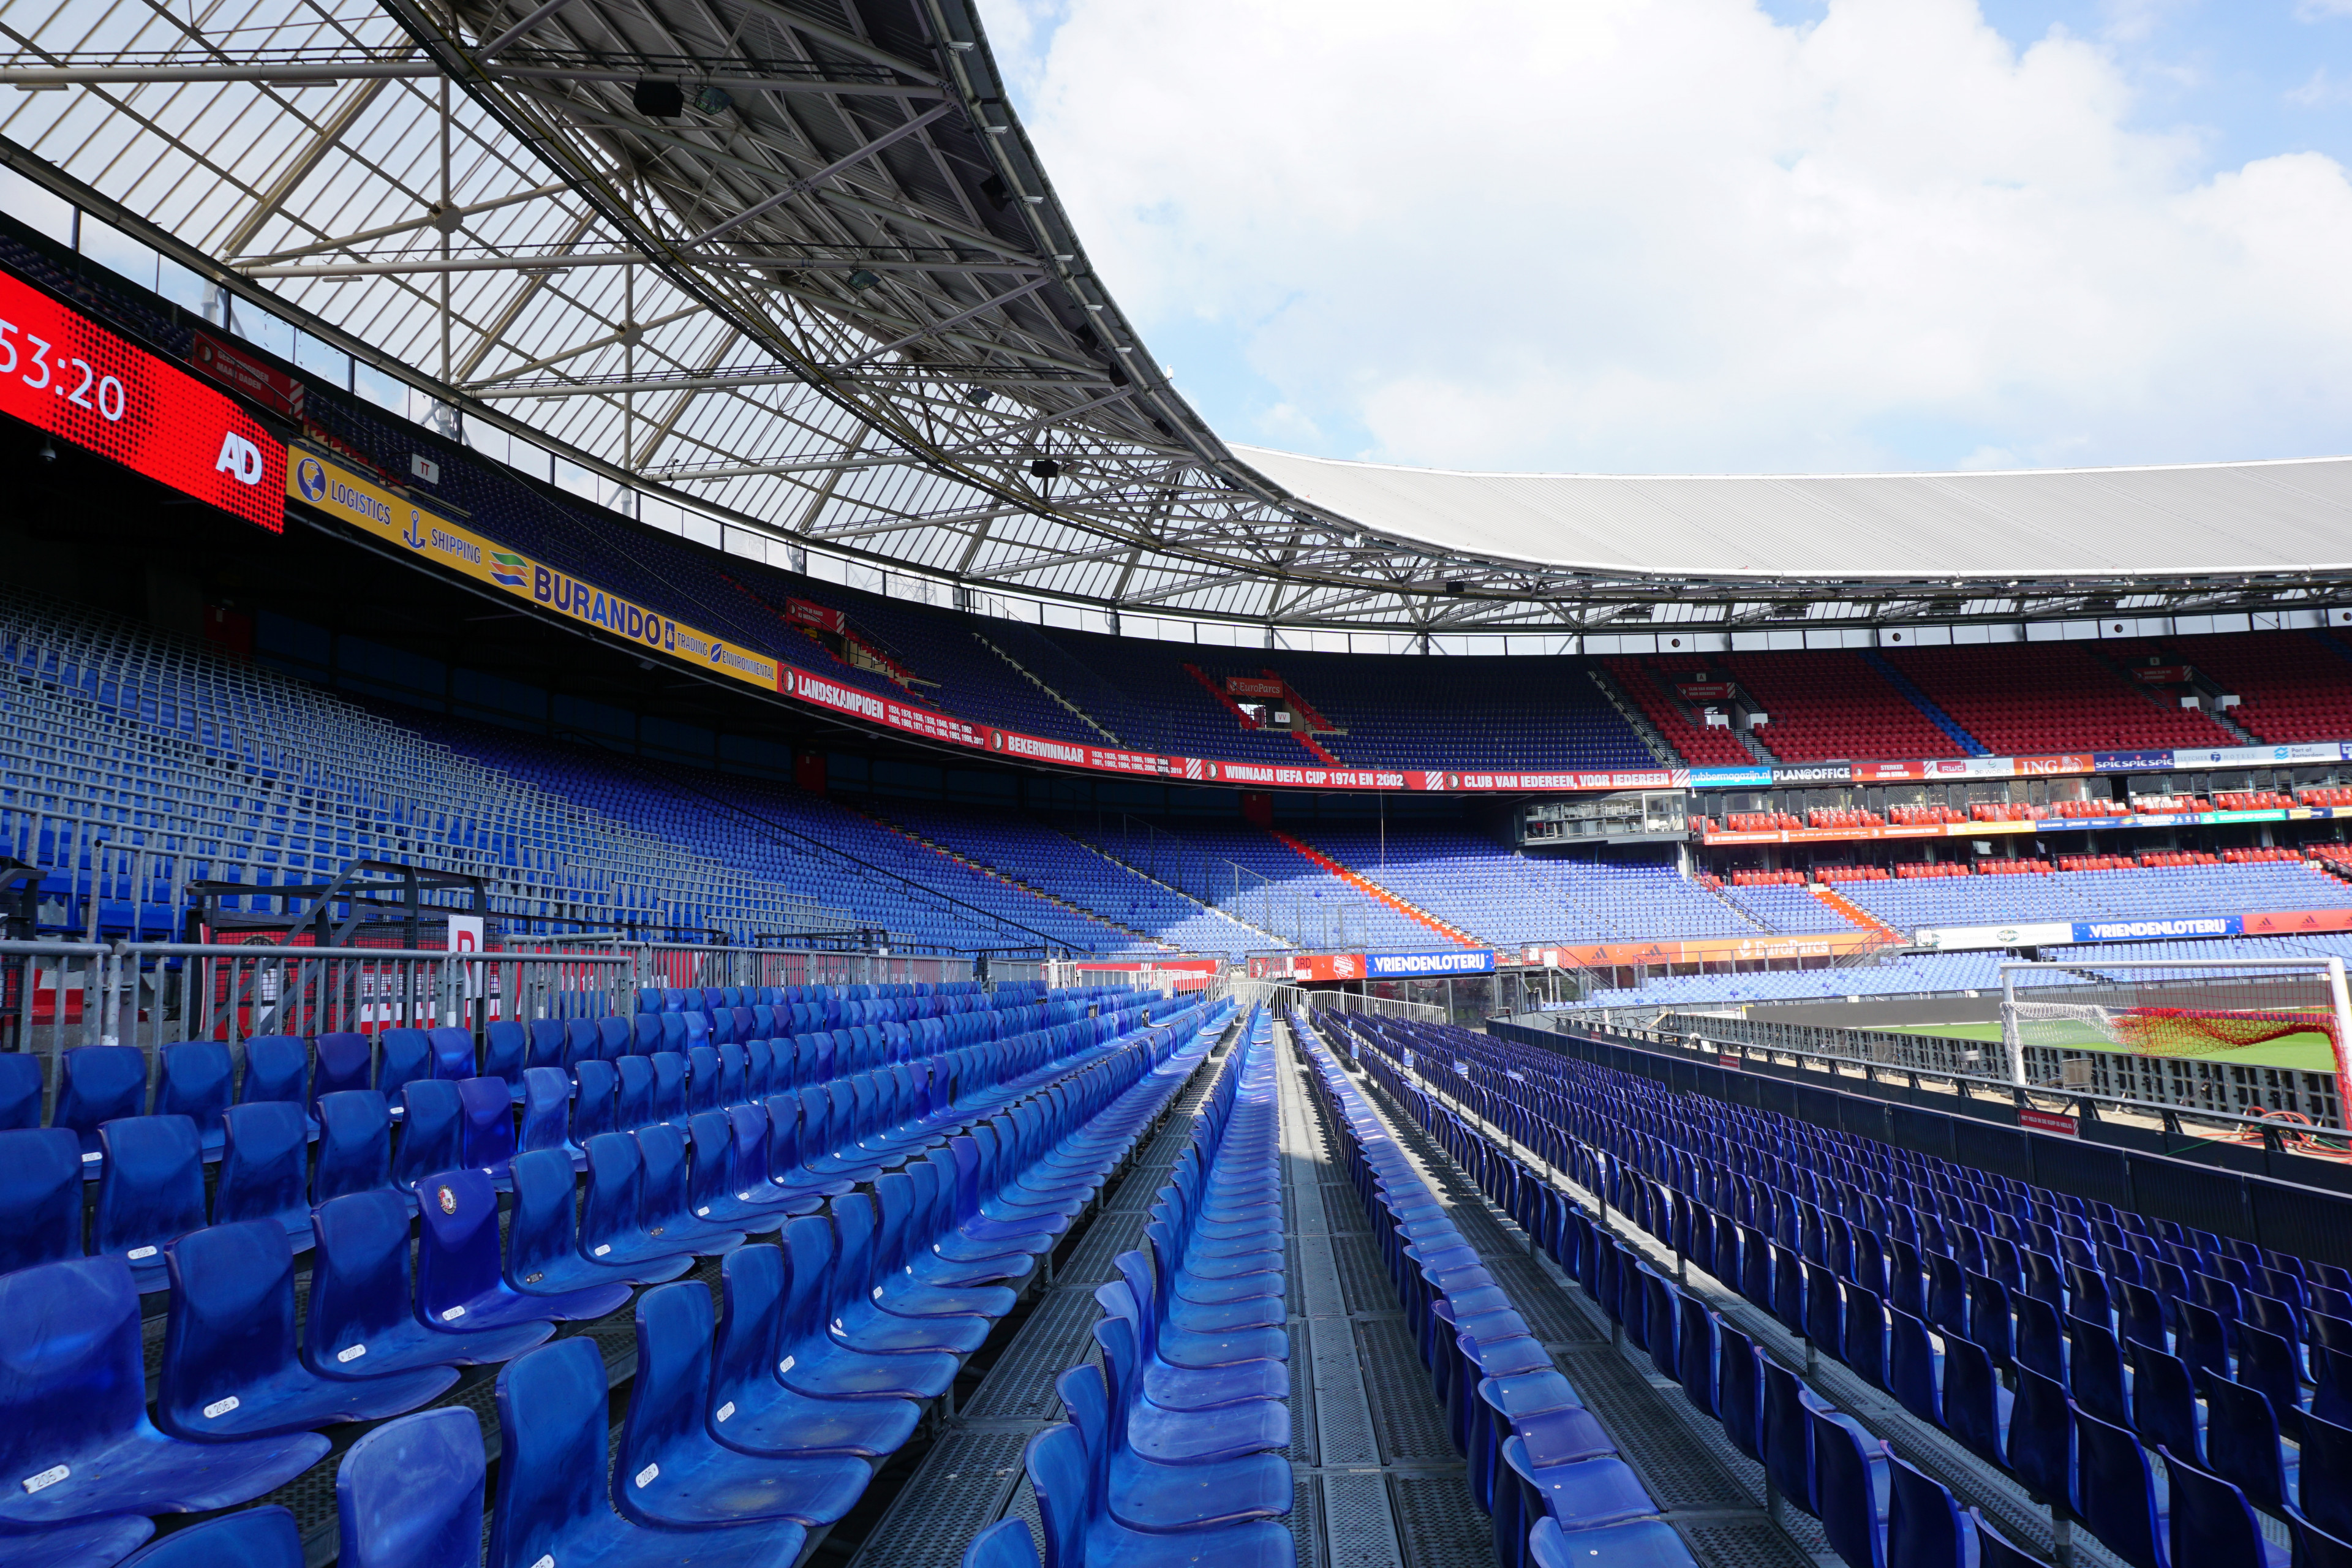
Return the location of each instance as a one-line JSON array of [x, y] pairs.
[[795, 264]]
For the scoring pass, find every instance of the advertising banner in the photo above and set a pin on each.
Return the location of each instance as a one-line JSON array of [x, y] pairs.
[[233, 367], [2161, 674], [2260, 756], [1319, 966], [2131, 761], [1655, 778], [318, 479], [1410, 966], [2157, 930], [1813, 773], [1967, 938], [814, 615], [2295, 923], [1759, 778], [1703, 691], [63, 373], [1252, 686], [1709, 950]]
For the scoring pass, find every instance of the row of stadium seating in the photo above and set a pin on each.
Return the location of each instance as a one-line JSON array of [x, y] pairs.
[[745, 1435], [1171, 1448], [1999, 1314]]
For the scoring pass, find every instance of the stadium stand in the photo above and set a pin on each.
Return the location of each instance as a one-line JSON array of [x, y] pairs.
[[2037, 699], [1706, 745], [1835, 703], [2289, 684]]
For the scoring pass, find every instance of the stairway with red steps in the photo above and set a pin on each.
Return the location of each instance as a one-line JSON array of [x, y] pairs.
[[1365, 885]]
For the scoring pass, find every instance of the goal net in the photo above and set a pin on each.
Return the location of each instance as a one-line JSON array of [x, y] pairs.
[[2294, 1010]]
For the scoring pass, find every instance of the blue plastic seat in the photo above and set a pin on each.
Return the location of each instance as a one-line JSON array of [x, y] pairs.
[[505, 1052], [2212, 1524], [460, 1284], [363, 1318], [1181, 1436], [193, 1080], [402, 1056], [229, 1366], [2242, 1443], [486, 1122], [98, 1084], [1142, 1494], [611, 1040], [581, 1042], [71, 1359], [151, 1192], [344, 1060], [277, 1067], [670, 1469], [355, 1144], [1635, 1543], [1788, 1434], [432, 1132], [257, 1538], [1852, 1481], [1976, 1406], [2164, 1403], [409, 1493], [666, 1209], [809, 1361], [1079, 1529], [552, 1499], [264, 1167], [20, 1091], [635, 1106], [542, 1246], [40, 1196], [597, 1086], [612, 1218], [97, 1544], [752, 1411], [2115, 1493], [1007, 1544], [1924, 1527], [453, 1052]]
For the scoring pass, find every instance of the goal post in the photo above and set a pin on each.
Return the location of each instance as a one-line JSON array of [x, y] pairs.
[[2180, 1007]]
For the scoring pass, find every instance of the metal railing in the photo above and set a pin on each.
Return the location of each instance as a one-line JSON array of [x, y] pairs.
[[2162, 1089]]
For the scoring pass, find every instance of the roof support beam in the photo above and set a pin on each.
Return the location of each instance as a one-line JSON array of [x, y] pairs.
[[808, 181]]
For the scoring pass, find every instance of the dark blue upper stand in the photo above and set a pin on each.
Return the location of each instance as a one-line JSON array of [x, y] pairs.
[[2114, 1493], [459, 1285], [355, 1144], [264, 1168], [750, 1410], [40, 1196], [409, 1494], [362, 1320], [1007, 1544], [431, 1132], [153, 1191], [229, 1367], [671, 1470], [257, 1538], [20, 1091], [1924, 1528], [94, 1544], [486, 1136], [277, 1067], [402, 1056], [193, 1080], [71, 1377], [98, 1084], [344, 1059], [611, 1223], [552, 1501]]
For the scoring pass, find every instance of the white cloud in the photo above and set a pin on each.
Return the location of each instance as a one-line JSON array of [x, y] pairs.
[[1627, 235]]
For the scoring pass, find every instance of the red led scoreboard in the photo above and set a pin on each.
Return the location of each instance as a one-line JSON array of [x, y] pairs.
[[73, 378]]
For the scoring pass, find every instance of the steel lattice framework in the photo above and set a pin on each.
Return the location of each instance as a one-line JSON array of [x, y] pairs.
[[793, 262]]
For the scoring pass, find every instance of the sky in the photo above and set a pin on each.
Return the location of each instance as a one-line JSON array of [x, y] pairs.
[[1718, 235]]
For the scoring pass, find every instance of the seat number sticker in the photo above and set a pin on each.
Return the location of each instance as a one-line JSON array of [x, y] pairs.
[[136, 1253], [726, 1411], [645, 1476], [220, 1407], [48, 1477], [452, 1314], [352, 1353], [603, 1248]]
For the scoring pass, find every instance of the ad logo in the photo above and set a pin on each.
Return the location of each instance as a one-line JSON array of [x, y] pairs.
[[238, 456], [311, 481]]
